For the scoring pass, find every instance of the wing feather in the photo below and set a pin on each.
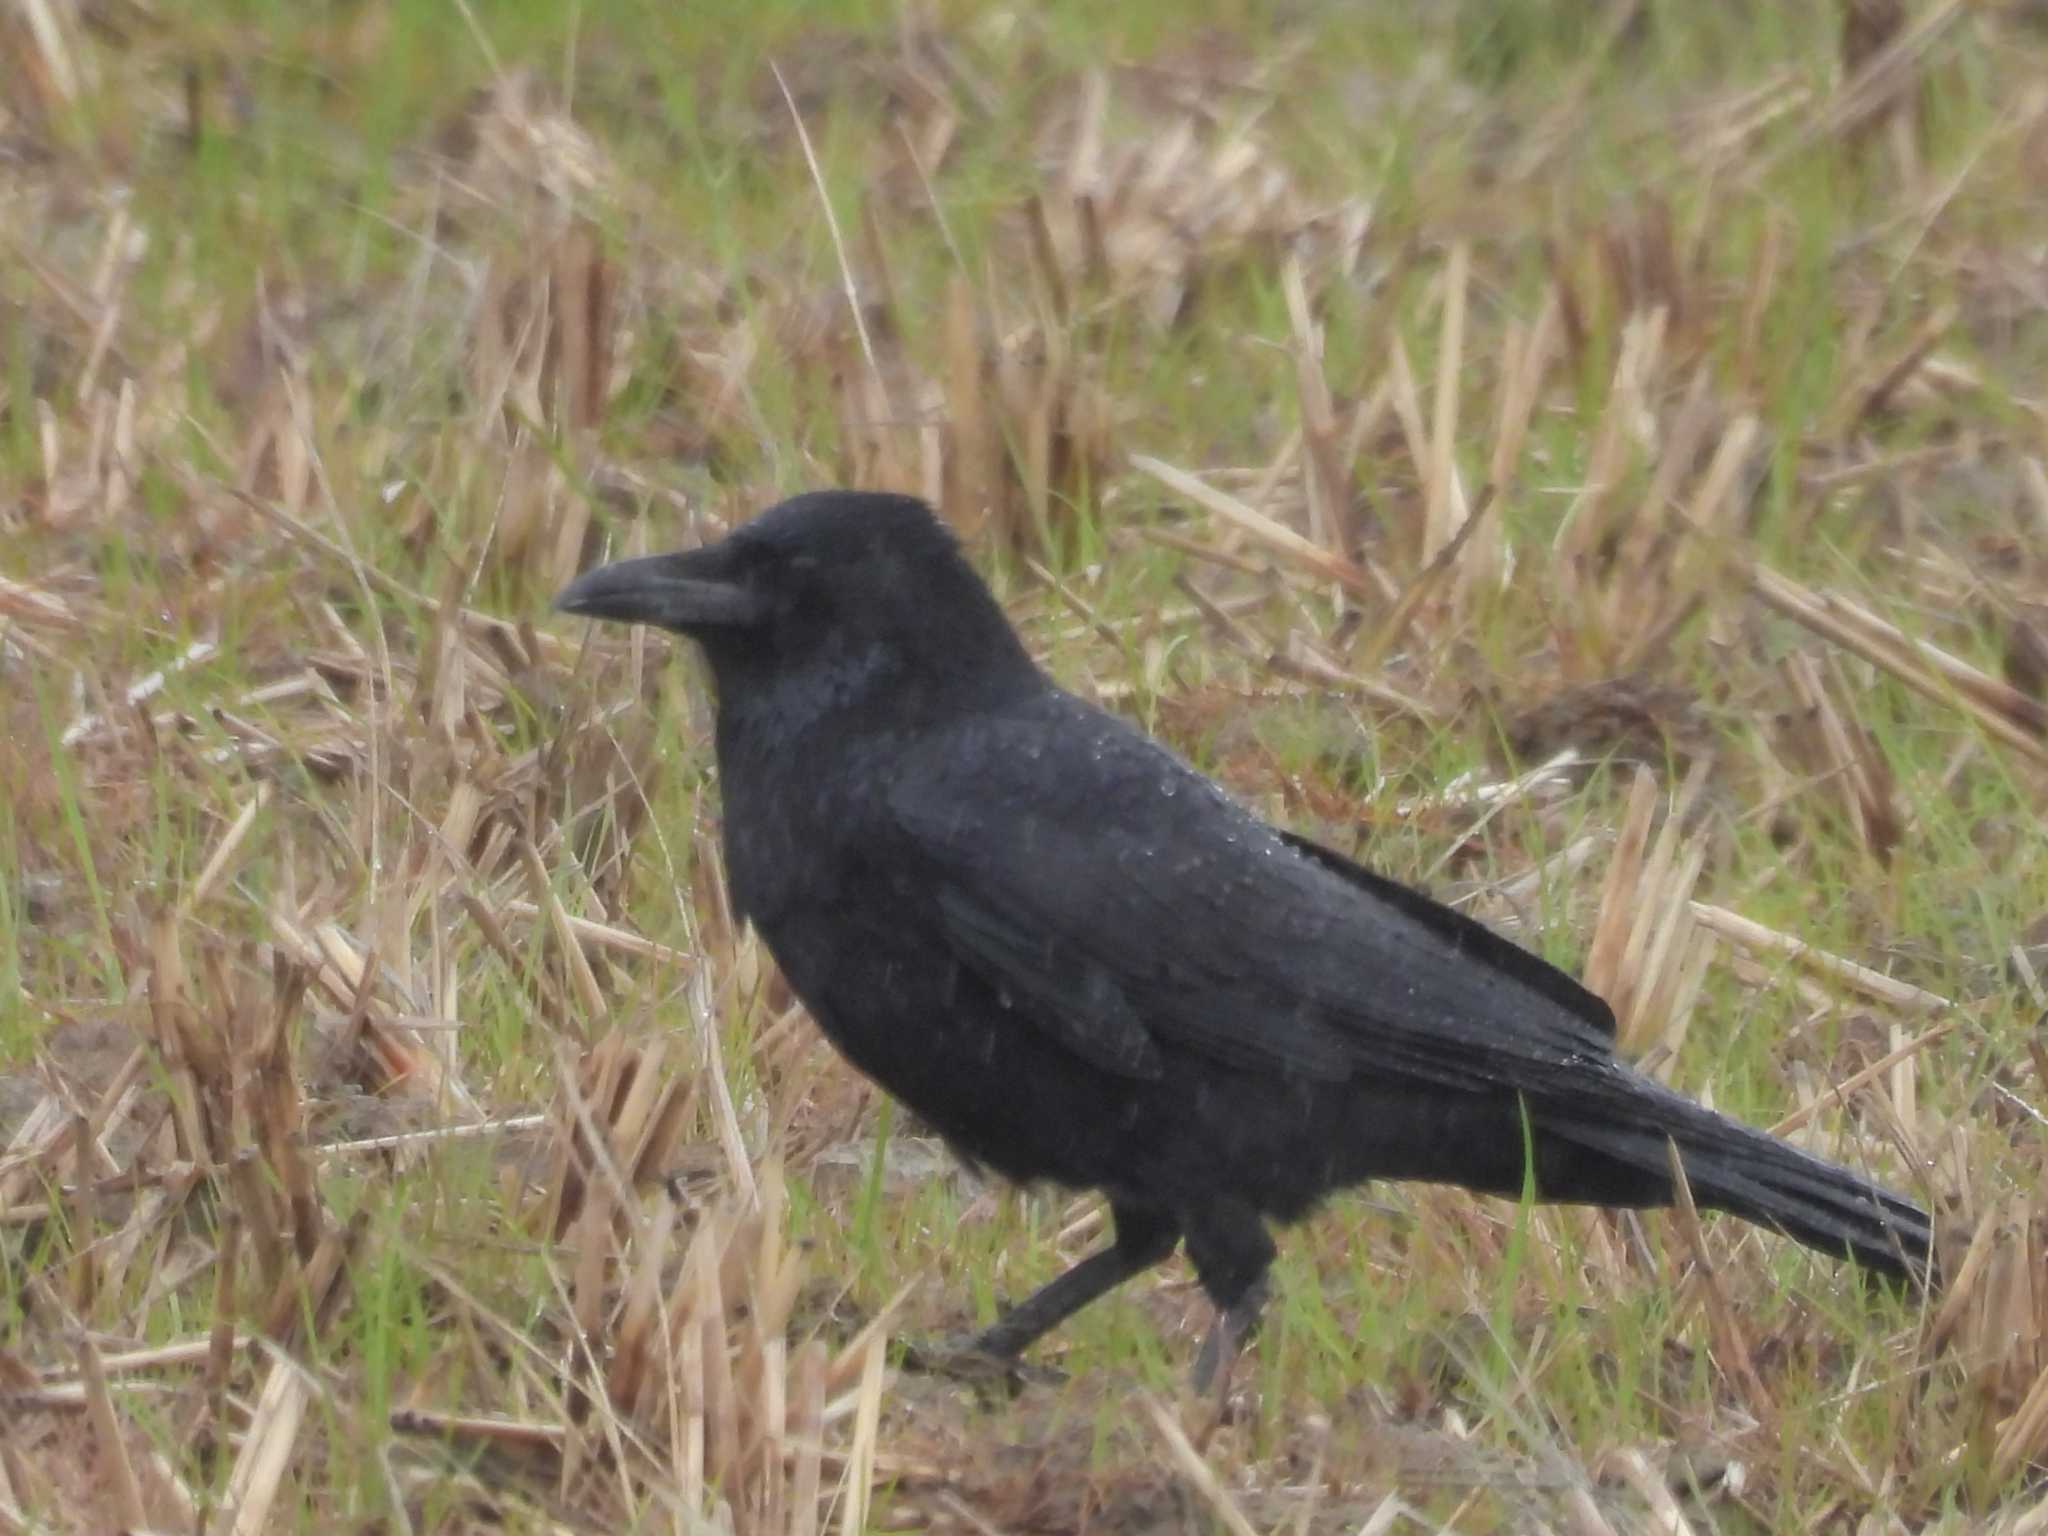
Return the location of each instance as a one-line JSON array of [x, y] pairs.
[[1134, 905]]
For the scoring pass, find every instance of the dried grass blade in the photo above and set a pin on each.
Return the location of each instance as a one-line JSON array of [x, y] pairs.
[[266, 1454], [1860, 978], [1618, 914], [106, 1426], [596, 1012], [1200, 1475], [1721, 1318], [1999, 707], [1297, 548], [1443, 510], [860, 1465], [1839, 1092]]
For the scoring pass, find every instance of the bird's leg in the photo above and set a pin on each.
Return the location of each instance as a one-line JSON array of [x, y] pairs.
[[1064, 1295], [1143, 1238], [1226, 1338], [1232, 1252]]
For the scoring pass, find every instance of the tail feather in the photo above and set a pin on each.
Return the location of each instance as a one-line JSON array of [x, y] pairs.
[[1735, 1168]]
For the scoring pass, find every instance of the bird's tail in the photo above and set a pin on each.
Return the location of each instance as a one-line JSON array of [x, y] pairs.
[[1733, 1167]]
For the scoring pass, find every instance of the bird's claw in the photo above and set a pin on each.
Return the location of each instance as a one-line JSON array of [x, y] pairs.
[[1225, 1341], [965, 1359]]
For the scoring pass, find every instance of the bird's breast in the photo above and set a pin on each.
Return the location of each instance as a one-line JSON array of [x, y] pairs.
[[800, 826]]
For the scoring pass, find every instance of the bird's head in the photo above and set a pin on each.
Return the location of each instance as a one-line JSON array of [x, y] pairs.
[[847, 588]]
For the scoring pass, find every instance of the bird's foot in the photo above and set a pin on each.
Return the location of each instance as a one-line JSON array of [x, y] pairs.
[[964, 1358], [1225, 1341]]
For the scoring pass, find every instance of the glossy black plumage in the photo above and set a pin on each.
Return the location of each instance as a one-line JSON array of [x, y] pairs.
[[1082, 962]]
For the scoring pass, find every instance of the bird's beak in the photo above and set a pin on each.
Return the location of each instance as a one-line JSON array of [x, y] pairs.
[[684, 592]]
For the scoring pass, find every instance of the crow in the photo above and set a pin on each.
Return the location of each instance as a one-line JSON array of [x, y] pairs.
[[1083, 963]]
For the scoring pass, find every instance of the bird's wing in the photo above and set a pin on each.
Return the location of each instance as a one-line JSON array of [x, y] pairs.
[[1464, 933], [1054, 983], [1122, 896]]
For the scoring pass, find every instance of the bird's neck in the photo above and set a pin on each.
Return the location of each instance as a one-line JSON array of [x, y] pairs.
[[805, 765], [854, 695]]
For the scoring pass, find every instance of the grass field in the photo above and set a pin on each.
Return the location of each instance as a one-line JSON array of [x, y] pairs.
[[1586, 458]]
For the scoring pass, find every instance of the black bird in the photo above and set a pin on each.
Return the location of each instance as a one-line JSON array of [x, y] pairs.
[[1082, 962]]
